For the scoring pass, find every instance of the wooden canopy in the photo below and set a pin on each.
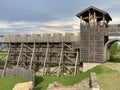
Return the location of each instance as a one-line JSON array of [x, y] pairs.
[[99, 14]]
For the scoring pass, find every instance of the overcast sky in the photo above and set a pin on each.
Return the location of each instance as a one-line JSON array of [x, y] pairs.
[[49, 16]]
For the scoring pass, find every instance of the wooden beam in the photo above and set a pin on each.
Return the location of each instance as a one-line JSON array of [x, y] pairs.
[[69, 58], [33, 53], [6, 62], [53, 70], [20, 54], [45, 59], [28, 47], [68, 69], [68, 46], [26, 55], [25, 65], [61, 59], [76, 63], [103, 20]]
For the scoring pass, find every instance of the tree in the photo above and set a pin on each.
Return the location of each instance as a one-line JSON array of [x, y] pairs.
[[114, 48]]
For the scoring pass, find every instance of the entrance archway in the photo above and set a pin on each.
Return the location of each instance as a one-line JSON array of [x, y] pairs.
[[107, 47]]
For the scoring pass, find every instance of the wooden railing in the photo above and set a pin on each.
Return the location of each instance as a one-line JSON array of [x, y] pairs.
[[55, 37], [113, 29]]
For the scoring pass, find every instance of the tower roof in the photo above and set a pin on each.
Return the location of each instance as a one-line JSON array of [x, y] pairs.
[[99, 13]]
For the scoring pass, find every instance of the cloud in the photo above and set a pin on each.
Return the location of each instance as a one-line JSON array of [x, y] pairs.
[[116, 20], [48, 16], [60, 26], [63, 26]]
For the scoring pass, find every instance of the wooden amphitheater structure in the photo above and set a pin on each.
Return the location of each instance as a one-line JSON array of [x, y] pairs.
[[57, 53]]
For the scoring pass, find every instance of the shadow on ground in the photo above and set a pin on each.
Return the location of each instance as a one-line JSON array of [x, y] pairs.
[[38, 80]]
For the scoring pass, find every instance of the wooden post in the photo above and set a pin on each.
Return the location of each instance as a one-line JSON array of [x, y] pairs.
[[45, 59], [80, 35], [89, 37], [3, 74], [20, 54], [81, 22], [94, 36], [76, 63], [103, 21], [33, 53], [89, 18], [61, 59]]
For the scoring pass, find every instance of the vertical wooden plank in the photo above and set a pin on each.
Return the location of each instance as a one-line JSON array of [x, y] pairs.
[[76, 63], [20, 54], [46, 55], [6, 59], [61, 59], [32, 58]]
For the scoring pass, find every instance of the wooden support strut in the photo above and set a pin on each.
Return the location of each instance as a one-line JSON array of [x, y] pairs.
[[68, 69], [76, 63], [54, 70], [33, 53], [26, 56], [68, 46], [28, 47], [19, 57], [45, 59], [3, 74], [70, 59], [61, 59]]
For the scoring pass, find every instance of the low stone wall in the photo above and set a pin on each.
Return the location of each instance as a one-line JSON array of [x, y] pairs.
[[9, 72], [27, 74], [87, 66], [93, 82]]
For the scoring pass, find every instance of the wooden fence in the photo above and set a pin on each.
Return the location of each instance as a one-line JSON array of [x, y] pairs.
[[55, 37], [27, 74]]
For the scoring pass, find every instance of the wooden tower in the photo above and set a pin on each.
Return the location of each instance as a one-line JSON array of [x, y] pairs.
[[93, 36]]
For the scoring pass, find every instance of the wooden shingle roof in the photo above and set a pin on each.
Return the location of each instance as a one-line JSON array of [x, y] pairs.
[[98, 11]]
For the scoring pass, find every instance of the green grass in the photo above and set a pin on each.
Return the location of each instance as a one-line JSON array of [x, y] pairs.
[[2, 62], [7, 83], [3, 55], [104, 73], [2, 59], [43, 82], [109, 81]]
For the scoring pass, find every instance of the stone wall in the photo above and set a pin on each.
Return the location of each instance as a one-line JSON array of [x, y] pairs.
[[93, 82], [87, 66]]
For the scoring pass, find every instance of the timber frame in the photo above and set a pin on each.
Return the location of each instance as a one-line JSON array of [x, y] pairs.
[[51, 57], [64, 54]]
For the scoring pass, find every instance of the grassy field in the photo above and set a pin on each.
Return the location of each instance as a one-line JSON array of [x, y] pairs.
[[3, 55], [110, 81], [2, 59], [108, 75], [104, 74], [43, 82], [7, 83]]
